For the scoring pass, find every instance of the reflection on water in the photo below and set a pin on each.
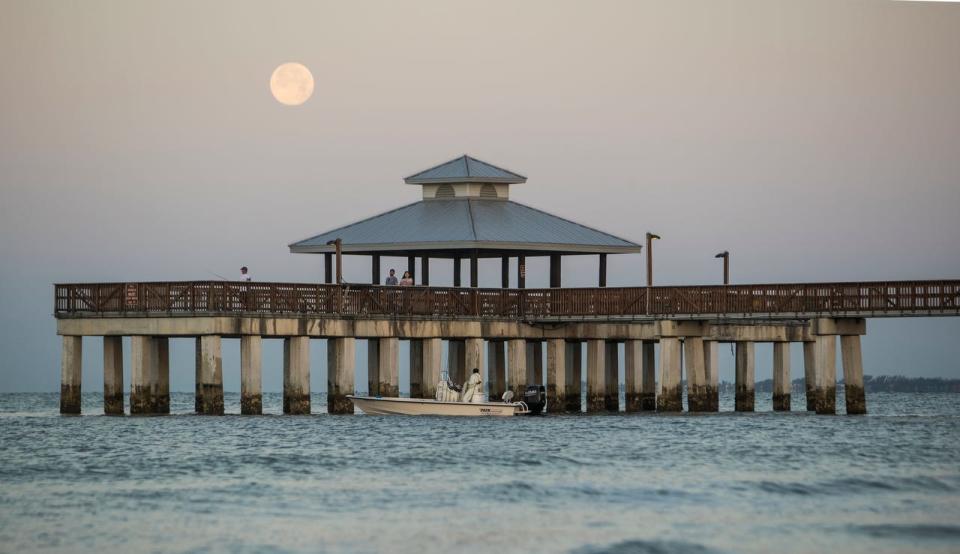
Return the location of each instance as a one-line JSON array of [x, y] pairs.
[[887, 482]]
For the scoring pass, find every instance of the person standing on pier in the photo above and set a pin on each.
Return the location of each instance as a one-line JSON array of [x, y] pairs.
[[407, 280], [392, 278], [244, 276]]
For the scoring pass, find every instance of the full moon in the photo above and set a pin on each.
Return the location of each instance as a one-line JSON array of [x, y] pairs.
[[291, 84]]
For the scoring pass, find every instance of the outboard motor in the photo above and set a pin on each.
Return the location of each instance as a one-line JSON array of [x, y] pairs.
[[535, 398]]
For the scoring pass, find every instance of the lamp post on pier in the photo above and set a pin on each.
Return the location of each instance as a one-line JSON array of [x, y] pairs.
[[726, 266]]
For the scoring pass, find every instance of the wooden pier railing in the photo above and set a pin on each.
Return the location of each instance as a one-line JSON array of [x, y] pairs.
[[867, 299]]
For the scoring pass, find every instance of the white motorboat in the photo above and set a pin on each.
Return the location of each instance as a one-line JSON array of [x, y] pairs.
[[449, 402]]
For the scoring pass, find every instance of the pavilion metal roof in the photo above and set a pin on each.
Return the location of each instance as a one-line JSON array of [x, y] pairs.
[[465, 169], [448, 227]]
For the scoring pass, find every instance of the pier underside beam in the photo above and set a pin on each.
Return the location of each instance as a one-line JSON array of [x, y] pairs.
[[496, 369], [611, 377], [853, 374], [70, 374], [698, 399], [745, 377], [113, 375], [209, 390], [781, 376], [596, 373], [296, 375], [341, 361], [251, 375], [516, 366], [670, 397]]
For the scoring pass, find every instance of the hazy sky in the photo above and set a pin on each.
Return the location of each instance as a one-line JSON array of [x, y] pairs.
[[816, 141]]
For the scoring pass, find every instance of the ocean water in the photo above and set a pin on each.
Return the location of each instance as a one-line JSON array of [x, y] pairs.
[[763, 482]]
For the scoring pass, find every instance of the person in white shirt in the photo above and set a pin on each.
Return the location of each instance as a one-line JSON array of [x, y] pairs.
[[244, 276], [472, 386]]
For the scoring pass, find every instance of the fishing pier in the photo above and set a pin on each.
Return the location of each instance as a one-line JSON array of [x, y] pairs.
[[515, 335]]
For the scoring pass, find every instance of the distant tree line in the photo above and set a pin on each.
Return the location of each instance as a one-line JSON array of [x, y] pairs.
[[882, 383]]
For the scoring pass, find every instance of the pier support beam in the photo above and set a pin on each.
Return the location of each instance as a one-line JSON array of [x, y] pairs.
[[670, 398], [296, 375], [432, 365], [633, 375], [516, 367], [457, 361], [534, 362], [745, 377], [209, 399], [596, 374], [648, 381], [781, 376], [341, 360], [113, 375], [853, 374], [144, 375], [162, 398], [711, 371], [251, 375], [416, 368], [698, 397], [383, 367], [810, 374], [496, 369], [71, 362], [826, 393], [611, 377]]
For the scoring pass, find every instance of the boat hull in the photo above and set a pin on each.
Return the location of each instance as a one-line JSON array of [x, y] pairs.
[[426, 406]]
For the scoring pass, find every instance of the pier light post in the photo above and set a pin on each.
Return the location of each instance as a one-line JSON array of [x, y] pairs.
[[338, 244], [650, 239], [726, 266]]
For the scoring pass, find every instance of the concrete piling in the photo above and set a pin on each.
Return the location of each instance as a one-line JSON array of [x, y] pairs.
[[341, 360], [781, 376], [296, 375], [573, 374], [251, 375], [457, 361], [432, 365], [516, 367], [745, 377], [416, 368], [670, 397], [71, 361], [711, 371], [113, 375], [648, 380], [596, 375], [534, 362], [496, 369], [162, 398], [632, 374], [473, 356], [209, 372], [611, 377], [853, 374], [810, 374], [826, 393], [697, 393], [387, 362], [556, 375], [144, 375], [373, 367]]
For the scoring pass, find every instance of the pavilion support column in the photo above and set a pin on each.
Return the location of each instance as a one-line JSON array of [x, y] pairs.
[[745, 377], [473, 356], [71, 363], [496, 369], [341, 360], [375, 269], [853, 374], [596, 373], [555, 271], [328, 268], [781, 376], [632, 374], [144, 375], [534, 362], [602, 278], [670, 397], [521, 272], [556, 375], [251, 375], [296, 375], [474, 270], [425, 270], [209, 399], [516, 367], [698, 399], [505, 272], [810, 374], [611, 377], [711, 372], [432, 365], [457, 361], [457, 267], [416, 368], [648, 378], [412, 268], [574, 362], [826, 355], [113, 375], [162, 398]]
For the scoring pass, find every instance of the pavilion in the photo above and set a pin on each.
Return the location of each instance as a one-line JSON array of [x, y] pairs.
[[466, 213]]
